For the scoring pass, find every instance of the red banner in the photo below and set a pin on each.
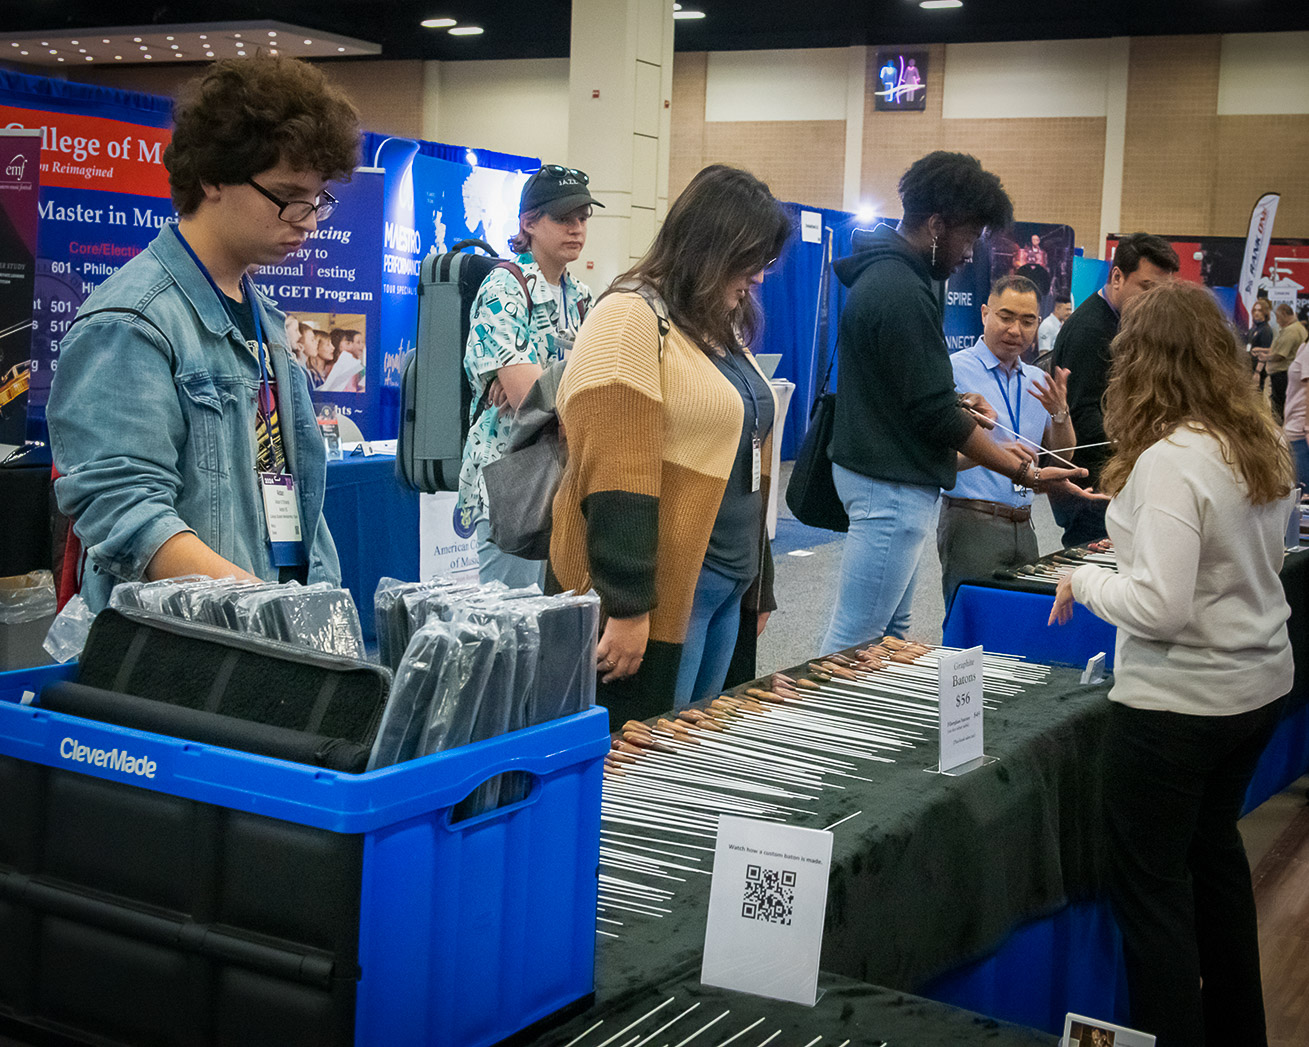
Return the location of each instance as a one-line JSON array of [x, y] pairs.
[[92, 152]]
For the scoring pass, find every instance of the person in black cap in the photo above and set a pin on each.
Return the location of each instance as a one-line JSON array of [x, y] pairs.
[[523, 320]]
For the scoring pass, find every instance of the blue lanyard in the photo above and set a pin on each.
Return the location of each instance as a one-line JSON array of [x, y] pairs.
[[1014, 416], [247, 285], [749, 388]]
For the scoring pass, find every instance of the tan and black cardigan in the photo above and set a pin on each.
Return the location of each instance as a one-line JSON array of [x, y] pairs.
[[651, 439]]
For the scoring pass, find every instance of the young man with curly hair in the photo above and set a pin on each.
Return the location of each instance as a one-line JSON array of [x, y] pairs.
[[900, 425], [180, 423]]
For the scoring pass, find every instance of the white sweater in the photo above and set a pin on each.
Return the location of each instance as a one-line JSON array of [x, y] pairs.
[[1199, 607]]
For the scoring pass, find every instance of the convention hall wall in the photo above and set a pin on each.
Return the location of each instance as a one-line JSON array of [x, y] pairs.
[[1176, 134]]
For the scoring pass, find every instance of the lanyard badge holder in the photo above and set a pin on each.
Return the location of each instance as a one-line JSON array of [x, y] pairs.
[[756, 442], [286, 547], [1015, 416]]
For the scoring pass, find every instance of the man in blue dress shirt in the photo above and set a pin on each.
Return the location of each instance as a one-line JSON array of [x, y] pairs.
[[986, 521]]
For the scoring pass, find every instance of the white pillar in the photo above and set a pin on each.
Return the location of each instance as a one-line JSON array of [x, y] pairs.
[[856, 88], [1115, 141], [619, 90]]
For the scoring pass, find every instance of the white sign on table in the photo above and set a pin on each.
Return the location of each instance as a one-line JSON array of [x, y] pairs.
[[447, 546], [766, 906], [960, 693], [1081, 1031]]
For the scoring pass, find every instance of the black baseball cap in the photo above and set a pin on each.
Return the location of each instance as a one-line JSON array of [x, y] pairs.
[[557, 190]]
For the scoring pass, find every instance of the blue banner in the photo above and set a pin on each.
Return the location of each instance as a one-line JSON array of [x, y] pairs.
[[331, 292]]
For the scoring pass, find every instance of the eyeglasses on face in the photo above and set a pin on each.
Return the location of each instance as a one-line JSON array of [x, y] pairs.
[[560, 172], [293, 211]]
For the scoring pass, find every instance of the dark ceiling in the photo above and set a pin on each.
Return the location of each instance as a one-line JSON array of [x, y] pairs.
[[540, 28]]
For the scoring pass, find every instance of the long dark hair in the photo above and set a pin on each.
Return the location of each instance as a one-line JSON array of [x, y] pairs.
[[724, 225]]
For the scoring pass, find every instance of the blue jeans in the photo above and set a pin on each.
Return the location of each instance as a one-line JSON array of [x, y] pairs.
[[1300, 455], [889, 524], [494, 564], [710, 637]]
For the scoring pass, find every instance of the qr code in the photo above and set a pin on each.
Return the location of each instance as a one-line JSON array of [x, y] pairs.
[[769, 895]]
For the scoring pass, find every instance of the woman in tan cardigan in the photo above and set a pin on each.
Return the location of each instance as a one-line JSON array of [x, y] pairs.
[[661, 507]]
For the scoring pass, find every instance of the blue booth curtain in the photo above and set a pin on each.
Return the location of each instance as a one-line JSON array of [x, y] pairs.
[[790, 300], [457, 154], [61, 96]]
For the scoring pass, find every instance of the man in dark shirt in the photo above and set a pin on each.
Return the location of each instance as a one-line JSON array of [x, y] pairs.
[[898, 421], [1082, 346]]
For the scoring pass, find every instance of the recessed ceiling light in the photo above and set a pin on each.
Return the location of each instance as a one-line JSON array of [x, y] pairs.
[[23, 52], [240, 54], [14, 44], [74, 43], [53, 51], [118, 58], [308, 42], [340, 48], [202, 37], [172, 38], [467, 30], [175, 47], [148, 57], [237, 35], [58, 59], [80, 50], [939, 5], [104, 41], [209, 54], [685, 15], [136, 39], [271, 33], [90, 58], [438, 23], [145, 47], [45, 43]]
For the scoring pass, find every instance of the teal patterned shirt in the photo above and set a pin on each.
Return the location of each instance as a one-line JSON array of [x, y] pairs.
[[500, 333]]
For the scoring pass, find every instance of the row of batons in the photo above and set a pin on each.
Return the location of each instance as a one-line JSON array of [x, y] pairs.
[[767, 755], [700, 1029], [1049, 569]]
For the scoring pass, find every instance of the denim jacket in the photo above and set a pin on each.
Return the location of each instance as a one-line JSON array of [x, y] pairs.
[[152, 425]]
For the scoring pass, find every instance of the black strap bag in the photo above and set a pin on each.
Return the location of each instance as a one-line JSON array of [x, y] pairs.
[[811, 493]]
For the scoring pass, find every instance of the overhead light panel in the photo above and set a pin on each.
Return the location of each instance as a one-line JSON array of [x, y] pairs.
[[939, 5], [467, 30], [182, 43], [438, 23], [685, 14]]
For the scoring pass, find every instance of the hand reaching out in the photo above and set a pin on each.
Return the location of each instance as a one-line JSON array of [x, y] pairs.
[[1052, 391]]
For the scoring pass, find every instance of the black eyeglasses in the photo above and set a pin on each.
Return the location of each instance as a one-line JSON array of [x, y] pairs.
[[560, 172], [293, 211]]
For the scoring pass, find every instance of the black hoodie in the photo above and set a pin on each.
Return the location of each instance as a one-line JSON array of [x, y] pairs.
[[897, 415]]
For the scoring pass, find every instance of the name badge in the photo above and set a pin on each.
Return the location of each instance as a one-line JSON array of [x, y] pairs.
[[756, 463], [282, 518]]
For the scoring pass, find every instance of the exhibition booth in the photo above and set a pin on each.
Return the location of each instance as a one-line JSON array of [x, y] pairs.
[[463, 853]]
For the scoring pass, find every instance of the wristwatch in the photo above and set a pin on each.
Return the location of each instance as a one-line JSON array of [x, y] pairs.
[[1060, 417]]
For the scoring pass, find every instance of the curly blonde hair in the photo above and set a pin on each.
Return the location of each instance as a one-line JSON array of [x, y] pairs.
[[1176, 361]]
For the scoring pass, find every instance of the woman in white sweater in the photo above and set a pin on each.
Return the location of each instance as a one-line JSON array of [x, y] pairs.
[[1201, 486]]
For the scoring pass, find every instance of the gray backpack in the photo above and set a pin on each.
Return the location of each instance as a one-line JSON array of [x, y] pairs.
[[435, 396]]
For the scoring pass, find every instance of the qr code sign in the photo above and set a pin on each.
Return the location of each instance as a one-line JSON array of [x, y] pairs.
[[769, 895]]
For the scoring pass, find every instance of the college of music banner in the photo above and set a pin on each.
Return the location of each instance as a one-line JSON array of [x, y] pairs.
[[20, 180]]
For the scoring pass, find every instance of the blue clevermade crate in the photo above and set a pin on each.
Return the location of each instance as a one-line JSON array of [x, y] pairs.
[[467, 932], [19, 684]]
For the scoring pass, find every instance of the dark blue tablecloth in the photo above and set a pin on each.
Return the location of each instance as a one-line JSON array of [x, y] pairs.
[[374, 520], [1072, 960]]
